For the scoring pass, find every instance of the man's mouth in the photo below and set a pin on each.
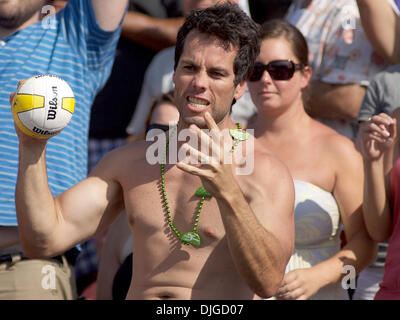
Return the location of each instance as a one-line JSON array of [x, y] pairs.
[[197, 103]]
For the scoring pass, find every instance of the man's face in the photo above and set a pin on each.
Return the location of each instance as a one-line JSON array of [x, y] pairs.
[[13, 13], [189, 5], [204, 79]]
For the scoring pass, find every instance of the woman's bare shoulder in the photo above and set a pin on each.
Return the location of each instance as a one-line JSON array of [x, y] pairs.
[[331, 141]]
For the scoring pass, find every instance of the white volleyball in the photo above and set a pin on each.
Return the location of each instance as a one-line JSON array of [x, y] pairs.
[[43, 105]]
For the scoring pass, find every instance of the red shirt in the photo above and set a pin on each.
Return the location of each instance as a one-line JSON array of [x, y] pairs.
[[390, 286]]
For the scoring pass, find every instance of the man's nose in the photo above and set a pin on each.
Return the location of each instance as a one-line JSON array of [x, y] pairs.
[[200, 80]]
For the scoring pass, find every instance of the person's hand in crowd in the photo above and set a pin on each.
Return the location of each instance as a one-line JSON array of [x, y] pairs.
[[377, 136], [299, 284]]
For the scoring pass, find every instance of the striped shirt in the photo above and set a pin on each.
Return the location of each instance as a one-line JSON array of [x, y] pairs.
[[76, 49], [395, 5]]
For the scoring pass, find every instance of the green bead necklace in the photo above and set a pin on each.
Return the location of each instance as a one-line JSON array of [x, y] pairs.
[[192, 237]]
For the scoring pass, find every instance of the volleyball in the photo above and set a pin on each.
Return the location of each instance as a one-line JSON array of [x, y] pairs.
[[43, 105]]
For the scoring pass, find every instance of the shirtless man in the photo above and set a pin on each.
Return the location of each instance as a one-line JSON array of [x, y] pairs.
[[246, 227]]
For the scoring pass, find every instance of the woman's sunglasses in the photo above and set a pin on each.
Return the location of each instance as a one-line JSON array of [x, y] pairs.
[[277, 69]]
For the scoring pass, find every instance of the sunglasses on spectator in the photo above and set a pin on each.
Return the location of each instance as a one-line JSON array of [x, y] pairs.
[[277, 69]]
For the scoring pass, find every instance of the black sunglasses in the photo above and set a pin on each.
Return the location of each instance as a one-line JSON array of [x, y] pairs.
[[277, 69]]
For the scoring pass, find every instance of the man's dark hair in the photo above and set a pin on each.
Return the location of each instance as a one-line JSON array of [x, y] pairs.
[[232, 26]]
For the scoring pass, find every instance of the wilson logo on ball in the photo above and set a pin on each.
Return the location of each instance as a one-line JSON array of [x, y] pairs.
[[43, 106]]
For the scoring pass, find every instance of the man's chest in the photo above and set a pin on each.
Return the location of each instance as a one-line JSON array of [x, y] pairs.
[[176, 210]]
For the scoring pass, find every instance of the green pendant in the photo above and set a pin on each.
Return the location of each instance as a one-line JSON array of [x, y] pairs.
[[191, 238], [239, 134], [202, 192]]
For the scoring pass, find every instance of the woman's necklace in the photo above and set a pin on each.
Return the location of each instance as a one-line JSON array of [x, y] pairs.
[[192, 237]]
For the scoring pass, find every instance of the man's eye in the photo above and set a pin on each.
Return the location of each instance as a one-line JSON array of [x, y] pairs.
[[217, 75]]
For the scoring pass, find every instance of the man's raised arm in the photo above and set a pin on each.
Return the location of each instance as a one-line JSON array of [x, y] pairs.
[[48, 225], [260, 233], [109, 13]]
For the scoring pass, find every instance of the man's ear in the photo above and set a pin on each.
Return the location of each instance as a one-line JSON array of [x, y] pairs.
[[240, 89]]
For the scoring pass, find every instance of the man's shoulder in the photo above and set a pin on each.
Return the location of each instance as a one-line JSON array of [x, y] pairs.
[[127, 165], [131, 151], [270, 178], [127, 159], [268, 164]]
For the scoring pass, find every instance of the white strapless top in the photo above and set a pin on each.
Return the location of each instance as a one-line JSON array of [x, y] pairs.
[[317, 233]]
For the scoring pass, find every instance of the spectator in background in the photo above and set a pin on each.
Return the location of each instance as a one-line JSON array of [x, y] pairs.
[[381, 22], [379, 144], [325, 166], [163, 113], [382, 96], [158, 80], [342, 59], [149, 26], [79, 47]]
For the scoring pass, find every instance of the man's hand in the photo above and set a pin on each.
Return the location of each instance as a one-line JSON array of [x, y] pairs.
[[24, 138], [215, 171]]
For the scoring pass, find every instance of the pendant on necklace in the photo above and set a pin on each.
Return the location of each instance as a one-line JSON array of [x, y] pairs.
[[239, 134], [191, 238], [202, 192]]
